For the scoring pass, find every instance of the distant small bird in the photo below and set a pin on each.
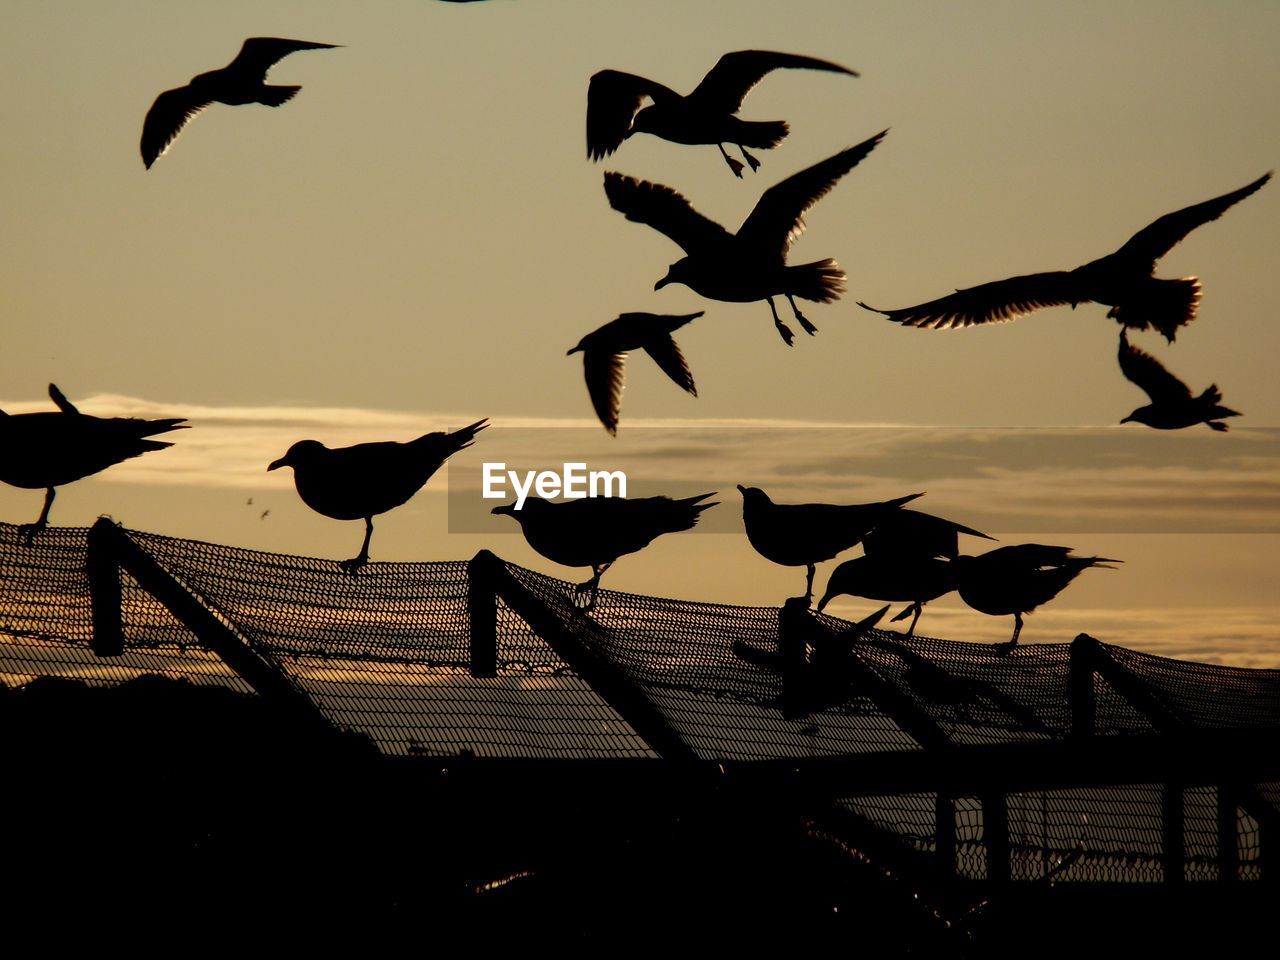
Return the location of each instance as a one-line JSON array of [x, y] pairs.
[[241, 81], [805, 534], [751, 264], [1017, 579], [914, 579], [604, 356], [595, 531], [360, 482], [51, 449], [705, 116], [911, 535], [1172, 406], [1122, 280]]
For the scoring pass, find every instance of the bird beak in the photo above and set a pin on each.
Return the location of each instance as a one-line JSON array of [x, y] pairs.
[[570, 353], [1127, 420], [507, 509], [277, 464], [824, 601], [664, 281], [742, 490]]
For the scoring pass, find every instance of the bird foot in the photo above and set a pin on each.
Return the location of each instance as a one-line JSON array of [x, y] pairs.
[[1006, 648], [755, 164], [735, 166], [589, 589], [28, 531], [805, 325], [353, 565], [785, 332]]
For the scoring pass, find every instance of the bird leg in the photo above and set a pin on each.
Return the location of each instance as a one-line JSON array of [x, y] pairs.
[[358, 561], [809, 328], [755, 164], [783, 329], [916, 608], [810, 569], [592, 586], [1004, 649], [734, 165], [29, 530]]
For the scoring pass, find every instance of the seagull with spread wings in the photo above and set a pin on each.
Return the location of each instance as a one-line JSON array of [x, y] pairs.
[[1123, 280], [751, 264], [52, 449], [241, 81], [1172, 406], [707, 115], [360, 482], [604, 356]]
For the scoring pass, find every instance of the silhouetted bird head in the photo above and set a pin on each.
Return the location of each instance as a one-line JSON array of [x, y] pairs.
[[753, 497], [678, 272], [506, 510], [300, 454], [846, 578]]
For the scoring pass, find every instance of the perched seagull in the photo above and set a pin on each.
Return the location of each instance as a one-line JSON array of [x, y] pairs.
[[1172, 406], [50, 449], [595, 531], [604, 357], [360, 482], [915, 580], [1123, 280], [705, 116], [1017, 579], [751, 264], [805, 534], [241, 81], [912, 535]]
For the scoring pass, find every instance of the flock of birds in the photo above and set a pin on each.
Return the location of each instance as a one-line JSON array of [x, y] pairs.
[[908, 556]]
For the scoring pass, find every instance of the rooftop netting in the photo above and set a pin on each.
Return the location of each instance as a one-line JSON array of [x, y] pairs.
[[388, 653]]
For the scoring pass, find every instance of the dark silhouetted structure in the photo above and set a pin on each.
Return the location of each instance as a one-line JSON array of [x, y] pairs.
[[604, 356], [1123, 280], [1017, 579], [360, 482], [50, 449], [595, 531], [805, 534], [241, 81], [705, 116], [751, 264], [1172, 406]]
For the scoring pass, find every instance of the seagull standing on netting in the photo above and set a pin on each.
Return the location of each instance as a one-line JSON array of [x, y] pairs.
[[1018, 578], [360, 482], [805, 534], [751, 264], [241, 81], [48, 450], [1123, 280], [707, 115], [595, 531], [1172, 406], [604, 355], [905, 558]]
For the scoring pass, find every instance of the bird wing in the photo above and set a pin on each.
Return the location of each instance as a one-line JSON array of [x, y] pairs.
[[1148, 373], [735, 74], [60, 400], [605, 373], [172, 111], [666, 354], [613, 97], [663, 209], [1154, 241], [260, 54], [778, 217], [995, 302]]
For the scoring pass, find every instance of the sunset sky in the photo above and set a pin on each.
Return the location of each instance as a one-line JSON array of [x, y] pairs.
[[417, 238]]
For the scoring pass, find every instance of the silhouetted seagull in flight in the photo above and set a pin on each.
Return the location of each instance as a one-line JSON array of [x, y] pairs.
[[595, 531], [604, 356], [51, 449], [241, 81], [1172, 406], [916, 580], [705, 116], [1123, 280], [360, 482], [751, 264], [805, 534], [1017, 579]]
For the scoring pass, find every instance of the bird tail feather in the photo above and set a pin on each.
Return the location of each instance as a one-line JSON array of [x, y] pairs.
[[1163, 304], [821, 281], [761, 133], [274, 96]]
